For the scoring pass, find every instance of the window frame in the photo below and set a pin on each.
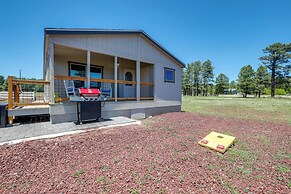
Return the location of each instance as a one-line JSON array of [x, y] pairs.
[[70, 63], [174, 74], [84, 64]]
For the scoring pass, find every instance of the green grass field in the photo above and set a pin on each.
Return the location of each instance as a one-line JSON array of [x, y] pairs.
[[263, 109]]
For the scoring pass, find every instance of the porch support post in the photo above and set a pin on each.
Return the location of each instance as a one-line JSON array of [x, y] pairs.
[[88, 68], [138, 80], [115, 78], [52, 73]]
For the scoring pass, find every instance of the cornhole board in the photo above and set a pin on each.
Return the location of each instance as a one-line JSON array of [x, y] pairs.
[[217, 141]]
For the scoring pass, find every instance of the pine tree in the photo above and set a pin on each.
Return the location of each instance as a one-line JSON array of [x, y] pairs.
[[196, 77], [222, 83], [232, 86], [262, 80], [246, 82], [277, 56], [207, 75]]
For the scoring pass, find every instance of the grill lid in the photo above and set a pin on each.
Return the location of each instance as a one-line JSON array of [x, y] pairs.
[[86, 91]]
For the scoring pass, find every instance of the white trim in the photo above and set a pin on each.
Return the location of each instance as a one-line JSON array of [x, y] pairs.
[[88, 69], [137, 80], [155, 85], [115, 78], [52, 74]]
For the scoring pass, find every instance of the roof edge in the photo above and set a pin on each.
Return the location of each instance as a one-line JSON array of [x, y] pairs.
[[110, 31]]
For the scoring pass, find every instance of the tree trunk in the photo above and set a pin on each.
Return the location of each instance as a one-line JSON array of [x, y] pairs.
[[206, 91], [246, 91], [259, 93], [273, 83], [197, 89]]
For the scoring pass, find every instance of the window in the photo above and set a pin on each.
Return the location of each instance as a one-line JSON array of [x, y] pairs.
[[95, 72], [169, 75], [79, 70]]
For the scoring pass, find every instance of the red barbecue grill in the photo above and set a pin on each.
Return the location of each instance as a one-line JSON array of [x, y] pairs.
[[89, 94], [88, 101]]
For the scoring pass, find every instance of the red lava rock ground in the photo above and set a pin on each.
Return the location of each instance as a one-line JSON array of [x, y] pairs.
[[159, 156]]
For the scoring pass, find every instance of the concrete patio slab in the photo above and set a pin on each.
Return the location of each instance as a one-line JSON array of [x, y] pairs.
[[27, 132]]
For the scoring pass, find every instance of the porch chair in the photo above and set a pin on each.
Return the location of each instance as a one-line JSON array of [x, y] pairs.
[[70, 87], [106, 90]]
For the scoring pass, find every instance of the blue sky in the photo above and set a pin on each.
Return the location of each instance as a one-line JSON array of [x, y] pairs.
[[229, 33]]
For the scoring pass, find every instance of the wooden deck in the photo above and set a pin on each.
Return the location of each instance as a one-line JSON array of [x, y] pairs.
[[29, 110]]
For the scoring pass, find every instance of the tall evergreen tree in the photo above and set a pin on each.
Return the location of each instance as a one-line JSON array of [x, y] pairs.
[[190, 78], [222, 83], [232, 86], [246, 82], [196, 76], [185, 81], [212, 89], [207, 75], [276, 58], [262, 80]]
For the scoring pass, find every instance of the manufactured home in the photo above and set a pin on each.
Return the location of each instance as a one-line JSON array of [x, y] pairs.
[[142, 77]]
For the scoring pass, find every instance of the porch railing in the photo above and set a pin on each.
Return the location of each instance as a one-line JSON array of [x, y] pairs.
[[126, 90], [23, 92]]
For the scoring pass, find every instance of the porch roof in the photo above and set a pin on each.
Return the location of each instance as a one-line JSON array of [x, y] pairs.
[[110, 31]]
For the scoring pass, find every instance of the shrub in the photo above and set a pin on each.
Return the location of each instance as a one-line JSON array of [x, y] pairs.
[[280, 91], [267, 91]]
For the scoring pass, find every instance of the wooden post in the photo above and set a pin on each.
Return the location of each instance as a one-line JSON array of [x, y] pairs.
[[115, 78], [137, 80], [16, 93], [10, 97], [88, 68]]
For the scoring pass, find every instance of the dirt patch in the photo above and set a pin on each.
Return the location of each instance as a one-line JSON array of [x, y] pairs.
[[159, 156]]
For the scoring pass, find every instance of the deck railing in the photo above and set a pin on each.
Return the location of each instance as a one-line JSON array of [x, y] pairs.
[[126, 90], [23, 92]]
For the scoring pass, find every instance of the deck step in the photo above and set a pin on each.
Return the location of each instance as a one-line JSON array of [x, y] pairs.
[[28, 110]]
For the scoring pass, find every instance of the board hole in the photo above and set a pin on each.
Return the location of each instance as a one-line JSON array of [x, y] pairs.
[[219, 136]]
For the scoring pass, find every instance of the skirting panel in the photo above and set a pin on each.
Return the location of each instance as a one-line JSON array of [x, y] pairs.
[[68, 113]]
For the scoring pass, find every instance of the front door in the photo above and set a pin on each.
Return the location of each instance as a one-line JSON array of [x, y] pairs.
[[129, 89]]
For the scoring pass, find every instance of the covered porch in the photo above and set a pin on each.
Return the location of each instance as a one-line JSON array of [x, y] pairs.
[[124, 79]]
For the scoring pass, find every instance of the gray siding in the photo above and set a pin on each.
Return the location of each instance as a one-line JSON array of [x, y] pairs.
[[134, 47]]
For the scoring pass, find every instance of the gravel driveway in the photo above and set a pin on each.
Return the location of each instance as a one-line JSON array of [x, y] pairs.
[[159, 156]]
